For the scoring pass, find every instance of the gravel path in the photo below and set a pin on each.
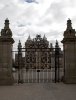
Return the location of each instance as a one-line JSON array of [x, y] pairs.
[[38, 91]]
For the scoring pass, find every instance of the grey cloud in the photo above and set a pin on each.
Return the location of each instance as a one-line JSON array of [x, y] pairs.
[[54, 14], [57, 11], [21, 24], [45, 21], [31, 1]]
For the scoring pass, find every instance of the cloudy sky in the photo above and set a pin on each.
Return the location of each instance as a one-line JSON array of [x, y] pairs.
[[37, 17]]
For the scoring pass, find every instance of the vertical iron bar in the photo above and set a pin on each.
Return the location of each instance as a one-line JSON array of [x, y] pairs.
[[55, 67]]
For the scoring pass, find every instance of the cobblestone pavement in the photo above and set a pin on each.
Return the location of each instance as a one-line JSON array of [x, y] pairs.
[[38, 91]]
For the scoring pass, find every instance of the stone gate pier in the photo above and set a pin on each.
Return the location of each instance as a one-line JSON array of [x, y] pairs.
[[6, 42], [69, 49]]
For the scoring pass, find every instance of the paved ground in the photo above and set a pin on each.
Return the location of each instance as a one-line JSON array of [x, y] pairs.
[[35, 91]]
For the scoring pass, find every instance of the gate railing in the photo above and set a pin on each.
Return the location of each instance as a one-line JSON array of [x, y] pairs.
[[36, 75]]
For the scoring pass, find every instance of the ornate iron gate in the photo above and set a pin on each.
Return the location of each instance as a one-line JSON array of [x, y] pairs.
[[39, 74]]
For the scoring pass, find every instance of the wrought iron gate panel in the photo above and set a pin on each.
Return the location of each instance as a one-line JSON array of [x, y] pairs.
[[39, 69]]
